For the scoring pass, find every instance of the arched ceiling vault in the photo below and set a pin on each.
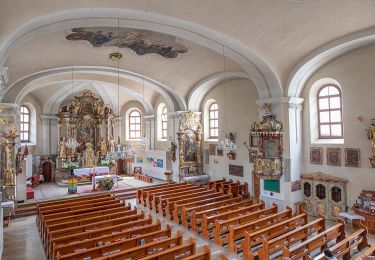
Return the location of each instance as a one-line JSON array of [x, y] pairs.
[[255, 67]]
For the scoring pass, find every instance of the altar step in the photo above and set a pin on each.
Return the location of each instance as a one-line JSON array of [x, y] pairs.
[[25, 210]]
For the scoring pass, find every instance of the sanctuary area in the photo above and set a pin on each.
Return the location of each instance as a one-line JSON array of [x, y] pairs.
[[161, 130]]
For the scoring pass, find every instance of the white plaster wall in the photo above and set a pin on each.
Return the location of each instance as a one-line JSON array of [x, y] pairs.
[[355, 73], [241, 112], [160, 144]]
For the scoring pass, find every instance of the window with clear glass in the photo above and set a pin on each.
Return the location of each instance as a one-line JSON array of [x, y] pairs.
[[336, 194], [25, 125], [164, 122], [213, 121], [135, 125], [321, 191], [307, 189], [330, 113]]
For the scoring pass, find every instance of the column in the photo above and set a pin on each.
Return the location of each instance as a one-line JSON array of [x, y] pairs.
[[3, 81], [49, 134], [149, 130]]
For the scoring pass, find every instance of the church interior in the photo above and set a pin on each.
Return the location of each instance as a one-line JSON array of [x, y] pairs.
[[187, 129]]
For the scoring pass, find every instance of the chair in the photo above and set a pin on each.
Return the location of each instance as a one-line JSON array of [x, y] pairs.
[[35, 181]]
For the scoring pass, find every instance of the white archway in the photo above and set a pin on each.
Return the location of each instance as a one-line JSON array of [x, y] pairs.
[[311, 63], [256, 68]]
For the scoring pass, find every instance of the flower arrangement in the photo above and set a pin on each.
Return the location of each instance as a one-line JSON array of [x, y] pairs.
[[70, 165], [105, 184], [107, 162]]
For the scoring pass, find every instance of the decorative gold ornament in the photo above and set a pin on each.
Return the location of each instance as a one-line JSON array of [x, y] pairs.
[[115, 56]]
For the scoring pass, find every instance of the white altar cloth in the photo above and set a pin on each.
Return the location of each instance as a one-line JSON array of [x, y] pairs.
[[90, 171]]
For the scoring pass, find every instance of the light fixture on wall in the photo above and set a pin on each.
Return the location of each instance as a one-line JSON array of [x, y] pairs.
[[228, 143], [72, 141]]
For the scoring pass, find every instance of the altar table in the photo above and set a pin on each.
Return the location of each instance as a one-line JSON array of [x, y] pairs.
[[103, 177]]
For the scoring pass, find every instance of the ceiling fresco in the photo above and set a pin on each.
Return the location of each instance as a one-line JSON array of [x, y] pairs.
[[140, 41]]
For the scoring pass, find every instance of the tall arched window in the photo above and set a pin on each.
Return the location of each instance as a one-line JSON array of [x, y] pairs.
[[135, 125], [330, 112], [25, 124], [164, 122], [213, 121]]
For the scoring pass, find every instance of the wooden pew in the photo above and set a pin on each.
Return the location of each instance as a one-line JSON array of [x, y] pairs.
[[367, 253], [240, 190], [84, 199], [177, 196], [92, 226], [138, 252], [251, 221], [143, 226], [178, 208], [208, 221], [138, 194], [320, 240], [357, 240], [178, 252], [272, 244], [172, 203], [86, 215], [82, 222], [98, 251], [188, 212], [141, 192], [217, 185], [210, 184], [78, 212], [205, 254], [143, 177], [153, 198]]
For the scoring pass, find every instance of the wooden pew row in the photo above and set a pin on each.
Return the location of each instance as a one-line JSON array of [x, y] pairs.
[[211, 184], [82, 222], [239, 190], [92, 226], [124, 230], [357, 240], [143, 177], [251, 222], [196, 217], [139, 252], [320, 240], [142, 192], [95, 251], [84, 199], [86, 215], [367, 253], [178, 208], [216, 187], [79, 212], [178, 252], [153, 199], [172, 203], [208, 222], [205, 254], [164, 200], [138, 194], [272, 244], [188, 212]]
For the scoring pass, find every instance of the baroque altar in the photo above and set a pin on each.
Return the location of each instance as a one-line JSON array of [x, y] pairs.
[[190, 145], [90, 123]]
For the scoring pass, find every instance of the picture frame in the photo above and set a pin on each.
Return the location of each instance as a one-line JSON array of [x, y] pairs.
[[333, 156], [212, 149], [296, 185], [352, 157], [316, 155], [137, 170], [236, 170]]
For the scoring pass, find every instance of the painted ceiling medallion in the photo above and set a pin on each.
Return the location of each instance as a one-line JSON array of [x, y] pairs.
[[140, 41]]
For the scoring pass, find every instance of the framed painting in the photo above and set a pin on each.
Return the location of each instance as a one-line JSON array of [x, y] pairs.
[[137, 170], [296, 185], [236, 170], [333, 156], [352, 157], [212, 149], [316, 155]]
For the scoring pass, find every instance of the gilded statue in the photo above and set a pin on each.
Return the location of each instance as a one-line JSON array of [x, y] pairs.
[[90, 154], [112, 145], [371, 135], [76, 106], [62, 148], [198, 144], [103, 147]]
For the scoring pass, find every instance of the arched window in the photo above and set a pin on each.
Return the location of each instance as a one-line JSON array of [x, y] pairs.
[[164, 122], [330, 112], [135, 125], [213, 121], [25, 124]]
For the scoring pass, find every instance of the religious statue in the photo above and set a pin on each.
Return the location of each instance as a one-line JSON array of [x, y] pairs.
[[371, 135], [198, 144], [103, 147], [19, 158], [172, 151], [90, 154], [112, 145], [76, 106], [62, 148]]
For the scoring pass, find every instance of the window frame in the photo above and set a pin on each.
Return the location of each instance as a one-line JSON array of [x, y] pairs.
[[164, 122], [210, 127], [22, 123], [135, 124], [330, 123]]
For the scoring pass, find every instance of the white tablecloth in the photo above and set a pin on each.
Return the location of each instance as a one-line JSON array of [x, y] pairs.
[[351, 216], [88, 171]]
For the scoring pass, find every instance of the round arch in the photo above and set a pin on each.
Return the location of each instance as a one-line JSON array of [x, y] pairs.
[[256, 68]]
